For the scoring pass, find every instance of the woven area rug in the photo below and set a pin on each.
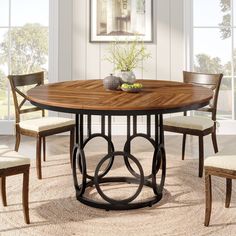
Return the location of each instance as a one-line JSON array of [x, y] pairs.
[[55, 211]]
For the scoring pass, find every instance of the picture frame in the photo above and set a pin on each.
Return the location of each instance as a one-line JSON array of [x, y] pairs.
[[121, 20]]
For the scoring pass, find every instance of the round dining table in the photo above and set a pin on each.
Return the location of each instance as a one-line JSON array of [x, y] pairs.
[[88, 98]]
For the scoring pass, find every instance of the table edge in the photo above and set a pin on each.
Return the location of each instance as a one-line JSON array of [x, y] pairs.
[[120, 112]]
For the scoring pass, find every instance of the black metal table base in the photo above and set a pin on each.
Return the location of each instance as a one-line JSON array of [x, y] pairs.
[[138, 178], [119, 206]]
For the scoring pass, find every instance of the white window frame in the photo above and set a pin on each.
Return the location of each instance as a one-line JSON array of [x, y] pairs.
[[53, 40]]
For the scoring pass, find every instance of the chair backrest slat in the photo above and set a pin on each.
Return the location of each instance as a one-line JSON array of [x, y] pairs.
[[211, 81], [27, 79], [17, 81]]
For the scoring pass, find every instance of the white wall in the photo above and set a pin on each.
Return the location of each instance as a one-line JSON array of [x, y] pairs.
[[167, 61]]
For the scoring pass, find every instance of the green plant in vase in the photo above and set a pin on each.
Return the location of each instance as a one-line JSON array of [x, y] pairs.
[[126, 56]]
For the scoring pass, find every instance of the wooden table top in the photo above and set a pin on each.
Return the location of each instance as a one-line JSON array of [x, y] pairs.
[[89, 96]]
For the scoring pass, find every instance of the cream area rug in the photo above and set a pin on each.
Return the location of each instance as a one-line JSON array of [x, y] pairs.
[[54, 209]]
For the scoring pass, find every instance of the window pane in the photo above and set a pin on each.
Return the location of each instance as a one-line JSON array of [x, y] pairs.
[[234, 12], [30, 11], [212, 12], [29, 49], [3, 75], [224, 108], [3, 95], [25, 46], [28, 53], [234, 63], [212, 53], [4, 13]]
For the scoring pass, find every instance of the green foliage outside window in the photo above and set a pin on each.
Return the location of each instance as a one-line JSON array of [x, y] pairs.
[[205, 63], [28, 48]]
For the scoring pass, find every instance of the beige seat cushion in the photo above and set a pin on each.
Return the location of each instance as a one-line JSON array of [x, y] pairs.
[[189, 122], [45, 123], [221, 161], [9, 158]]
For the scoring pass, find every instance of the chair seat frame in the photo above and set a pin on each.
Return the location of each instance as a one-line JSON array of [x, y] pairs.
[[22, 169], [220, 172]]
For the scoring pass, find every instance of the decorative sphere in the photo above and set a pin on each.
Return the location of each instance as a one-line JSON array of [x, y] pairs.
[[111, 82]]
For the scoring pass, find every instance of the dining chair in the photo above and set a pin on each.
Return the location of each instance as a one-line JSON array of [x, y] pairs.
[[41, 127], [198, 125], [11, 163], [221, 166]]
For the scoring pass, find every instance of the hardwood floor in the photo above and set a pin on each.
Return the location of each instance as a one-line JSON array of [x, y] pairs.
[[59, 144]]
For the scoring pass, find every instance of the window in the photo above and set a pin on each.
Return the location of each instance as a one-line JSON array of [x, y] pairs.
[[23, 44], [214, 47]]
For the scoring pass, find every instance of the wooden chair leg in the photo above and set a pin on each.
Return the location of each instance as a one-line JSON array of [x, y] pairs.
[[3, 191], [25, 196], [72, 140], [38, 157], [183, 145], [201, 156], [214, 141], [17, 142], [228, 192], [44, 148], [208, 204]]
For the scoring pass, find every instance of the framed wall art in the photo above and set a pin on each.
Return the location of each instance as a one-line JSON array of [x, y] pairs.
[[121, 20]]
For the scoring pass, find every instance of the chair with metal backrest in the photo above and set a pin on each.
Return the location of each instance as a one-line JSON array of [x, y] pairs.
[[11, 163], [221, 166], [39, 127], [198, 125]]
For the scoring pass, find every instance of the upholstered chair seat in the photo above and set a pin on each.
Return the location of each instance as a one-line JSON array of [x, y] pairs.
[[227, 162], [190, 122], [221, 165], [9, 158], [12, 163], [45, 123]]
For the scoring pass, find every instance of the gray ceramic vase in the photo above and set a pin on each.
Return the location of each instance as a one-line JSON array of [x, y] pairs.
[[111, 82]]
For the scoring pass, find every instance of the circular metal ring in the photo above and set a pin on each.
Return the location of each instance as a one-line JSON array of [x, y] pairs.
[[159, 159], [78, 154], [110, 146], [133, 205], [98, 179], [126, 147]]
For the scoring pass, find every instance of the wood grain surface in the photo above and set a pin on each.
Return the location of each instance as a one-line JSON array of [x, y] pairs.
[[90, 95]]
